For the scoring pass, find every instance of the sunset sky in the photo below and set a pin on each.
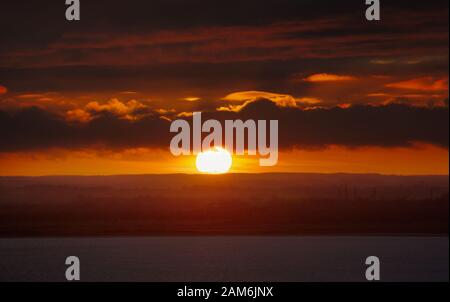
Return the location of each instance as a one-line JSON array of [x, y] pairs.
[[97, 96]]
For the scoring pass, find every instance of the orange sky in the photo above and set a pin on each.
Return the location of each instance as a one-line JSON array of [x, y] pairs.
[[97, 97], [420, 160]]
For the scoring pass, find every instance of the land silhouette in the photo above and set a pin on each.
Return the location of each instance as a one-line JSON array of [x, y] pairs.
[[230, 204]]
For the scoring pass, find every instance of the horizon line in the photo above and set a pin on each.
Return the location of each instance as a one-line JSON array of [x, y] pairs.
[[225, 174]]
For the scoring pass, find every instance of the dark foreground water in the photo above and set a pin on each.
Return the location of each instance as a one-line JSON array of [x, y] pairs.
[[225, 258]]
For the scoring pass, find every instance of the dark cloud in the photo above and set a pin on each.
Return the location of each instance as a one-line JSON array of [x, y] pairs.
[[211, 48], [172, 49], [36, 129], [386, 126], [325, 37]]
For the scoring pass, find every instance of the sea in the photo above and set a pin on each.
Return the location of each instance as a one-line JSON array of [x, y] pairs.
[[226, 259]]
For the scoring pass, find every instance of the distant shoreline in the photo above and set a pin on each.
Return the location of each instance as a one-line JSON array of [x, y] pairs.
[[226, 205], [193, 235], [224, 175]]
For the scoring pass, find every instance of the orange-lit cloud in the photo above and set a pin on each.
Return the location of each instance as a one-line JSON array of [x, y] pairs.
[[412, 99], [31, 96], [115, 106], [309, 101], [3, 89], [407, 61], [52, 101], [344, 105], [233, 108], [326, 77], [128, 92], [424, 84], [78, 115], [125, 110], [250, 95], [382, 61], [282, 100], [191, 99]]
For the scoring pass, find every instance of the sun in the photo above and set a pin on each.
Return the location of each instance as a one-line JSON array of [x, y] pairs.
[[214, 161]]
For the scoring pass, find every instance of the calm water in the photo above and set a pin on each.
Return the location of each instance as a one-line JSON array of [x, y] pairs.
[[226, 258]]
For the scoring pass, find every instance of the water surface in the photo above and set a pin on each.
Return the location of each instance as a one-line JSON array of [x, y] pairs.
[[302, 258]]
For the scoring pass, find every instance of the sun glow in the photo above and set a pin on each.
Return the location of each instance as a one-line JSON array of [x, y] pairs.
[[214, 161]]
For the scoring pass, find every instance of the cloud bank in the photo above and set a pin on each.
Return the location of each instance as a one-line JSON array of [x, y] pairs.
[[392, 125]]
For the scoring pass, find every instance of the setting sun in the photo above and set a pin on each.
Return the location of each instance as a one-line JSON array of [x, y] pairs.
[[214, 161]]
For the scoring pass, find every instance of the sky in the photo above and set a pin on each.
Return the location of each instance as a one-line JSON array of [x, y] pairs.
[[97, 96]]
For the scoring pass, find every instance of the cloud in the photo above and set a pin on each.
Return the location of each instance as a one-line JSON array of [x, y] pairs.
[[352, 126], [309, 101], [424, 84], [382, 61], [163, 111], [125, 110], [272, 37], [407, 61], [412, 99], [191, 99], [326, 77], [37, 129], [391, 125], [213, 52], [3, 89], [78, 115], [233, 108], [283, 100], [31, 96], [129, 92]]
